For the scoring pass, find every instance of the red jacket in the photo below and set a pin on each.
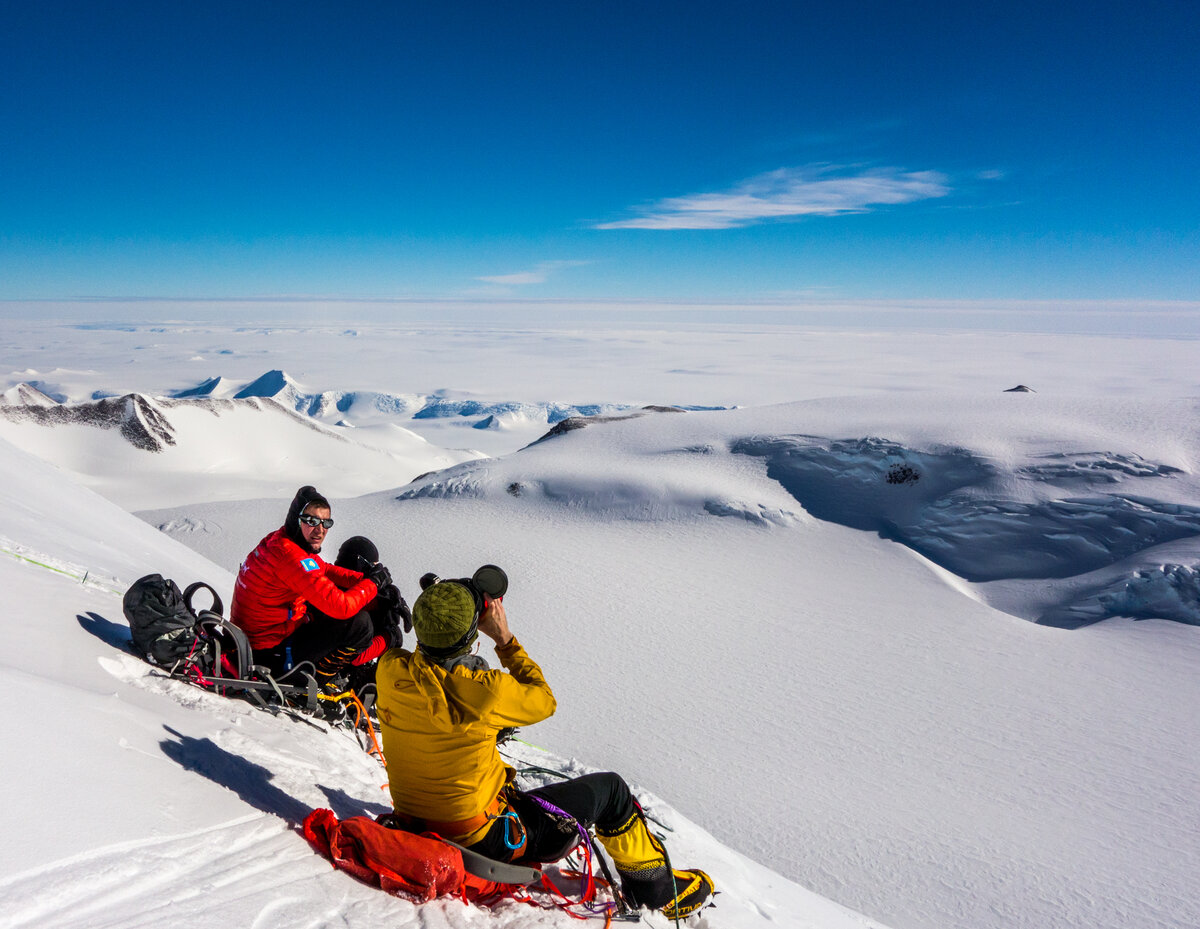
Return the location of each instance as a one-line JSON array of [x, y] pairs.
[[279, 578]]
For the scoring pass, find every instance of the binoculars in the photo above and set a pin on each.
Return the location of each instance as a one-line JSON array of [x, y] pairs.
[[489, 582]]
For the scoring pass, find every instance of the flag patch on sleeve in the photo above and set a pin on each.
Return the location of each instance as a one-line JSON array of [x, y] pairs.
[[309, 564]]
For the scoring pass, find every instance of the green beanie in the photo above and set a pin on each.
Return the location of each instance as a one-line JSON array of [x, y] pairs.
[[443, 615]]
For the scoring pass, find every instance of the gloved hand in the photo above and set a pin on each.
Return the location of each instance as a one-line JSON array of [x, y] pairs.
[[388, 602], [380, 575], [391, 612], [393, 636]]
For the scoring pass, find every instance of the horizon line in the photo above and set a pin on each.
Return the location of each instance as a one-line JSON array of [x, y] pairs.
[[798, 302]]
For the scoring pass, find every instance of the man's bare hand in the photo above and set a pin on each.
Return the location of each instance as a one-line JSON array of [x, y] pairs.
[[493, 623]]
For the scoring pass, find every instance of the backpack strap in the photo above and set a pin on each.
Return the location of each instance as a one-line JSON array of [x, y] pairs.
[[217, 606], [226, 640], [502, 872]]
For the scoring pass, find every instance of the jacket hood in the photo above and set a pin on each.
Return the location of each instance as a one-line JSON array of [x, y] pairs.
[[291, 526], [447, 712], [428, 679]]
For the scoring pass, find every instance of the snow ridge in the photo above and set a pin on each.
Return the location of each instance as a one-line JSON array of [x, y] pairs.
[[212, 387], [352, 407], [956, 508], [26, 394], [135, 416], [1091, 522], [1167, 591], [437, 407]]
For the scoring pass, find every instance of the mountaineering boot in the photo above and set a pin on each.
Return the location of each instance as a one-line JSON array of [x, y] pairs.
[[332, 667], [332, 683], [330, 673], [646, 877], [692, 888], [333, 708], [360, 677]]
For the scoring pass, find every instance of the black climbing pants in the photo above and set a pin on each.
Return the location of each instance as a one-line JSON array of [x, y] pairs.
[[322, 635], [602, 800]]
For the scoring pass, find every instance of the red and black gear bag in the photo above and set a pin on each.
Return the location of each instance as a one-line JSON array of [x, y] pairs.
[[395, 860]]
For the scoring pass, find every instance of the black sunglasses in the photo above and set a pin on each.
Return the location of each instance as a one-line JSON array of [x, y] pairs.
[[315, 521]]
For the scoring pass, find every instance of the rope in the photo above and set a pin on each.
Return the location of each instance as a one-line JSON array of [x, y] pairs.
[[587, 886], [670, 870], [662, 847], [362, 721]]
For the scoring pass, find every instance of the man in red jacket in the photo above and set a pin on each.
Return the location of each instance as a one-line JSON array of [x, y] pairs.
[[294, 607]]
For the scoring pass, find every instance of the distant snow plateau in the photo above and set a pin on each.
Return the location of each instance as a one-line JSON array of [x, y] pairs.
[[1088, 520], [1081, 529]]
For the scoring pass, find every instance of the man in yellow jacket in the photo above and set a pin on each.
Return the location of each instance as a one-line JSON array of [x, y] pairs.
[[440, 709]]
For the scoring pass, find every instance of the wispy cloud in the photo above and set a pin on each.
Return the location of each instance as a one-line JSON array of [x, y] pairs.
[[538, 275], [822, 190]]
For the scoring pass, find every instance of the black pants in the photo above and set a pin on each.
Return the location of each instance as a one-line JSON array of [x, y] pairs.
[[319, 636], [602, 800]]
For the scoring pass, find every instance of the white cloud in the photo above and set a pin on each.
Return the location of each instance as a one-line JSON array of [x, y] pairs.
[[788, 192], [521, 277], [538, 275]]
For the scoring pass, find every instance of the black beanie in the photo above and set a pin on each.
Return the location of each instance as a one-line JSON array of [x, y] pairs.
[[305, 496], [353, 549]]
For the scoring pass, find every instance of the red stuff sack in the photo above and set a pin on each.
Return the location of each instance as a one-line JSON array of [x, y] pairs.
[[393, 859]]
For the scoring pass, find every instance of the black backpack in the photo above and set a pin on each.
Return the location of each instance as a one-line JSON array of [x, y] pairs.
[[162, 622]]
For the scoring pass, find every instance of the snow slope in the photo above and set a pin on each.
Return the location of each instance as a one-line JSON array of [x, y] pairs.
[[729, 588], [141, 801], [145, 452]]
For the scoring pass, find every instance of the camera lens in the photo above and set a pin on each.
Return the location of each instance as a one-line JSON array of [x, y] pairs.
[[491, 580]]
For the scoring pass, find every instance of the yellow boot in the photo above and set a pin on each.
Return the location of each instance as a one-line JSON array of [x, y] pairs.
[[646, 878]]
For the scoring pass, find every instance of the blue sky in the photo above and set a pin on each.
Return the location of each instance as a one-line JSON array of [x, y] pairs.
[[601, 151]]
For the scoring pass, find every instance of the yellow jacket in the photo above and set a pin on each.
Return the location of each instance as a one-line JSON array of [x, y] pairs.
[[439, 729]]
